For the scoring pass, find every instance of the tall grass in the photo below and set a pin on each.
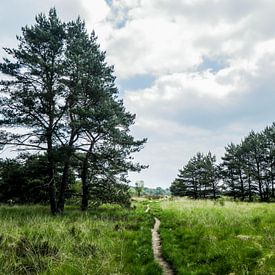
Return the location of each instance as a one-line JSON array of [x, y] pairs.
[[206, 237], [108, 240], [198, 237]]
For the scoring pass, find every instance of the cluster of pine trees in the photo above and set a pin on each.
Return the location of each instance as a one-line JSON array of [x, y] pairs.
[[246, 172], [198, 178], [59, 100]]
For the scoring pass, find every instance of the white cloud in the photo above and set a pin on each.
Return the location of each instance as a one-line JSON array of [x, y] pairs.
[[161, 37], [97, 10]]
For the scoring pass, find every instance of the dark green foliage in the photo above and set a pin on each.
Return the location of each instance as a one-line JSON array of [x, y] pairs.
[[198, 179], [25, 180], [177, 188], [248, 168], [106, 191], [12, 182]]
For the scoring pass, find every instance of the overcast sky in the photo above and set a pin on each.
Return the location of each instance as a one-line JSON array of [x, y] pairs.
[[197, 73]]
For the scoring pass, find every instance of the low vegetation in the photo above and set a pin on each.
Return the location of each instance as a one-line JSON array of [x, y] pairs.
[[221, 237], [108, 240], [198, 237]]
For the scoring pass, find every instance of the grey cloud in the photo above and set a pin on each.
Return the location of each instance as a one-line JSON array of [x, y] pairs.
[[255, 106]]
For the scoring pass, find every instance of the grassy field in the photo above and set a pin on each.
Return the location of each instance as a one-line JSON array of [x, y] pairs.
[[109, 240], [206, 237], [198, 237]]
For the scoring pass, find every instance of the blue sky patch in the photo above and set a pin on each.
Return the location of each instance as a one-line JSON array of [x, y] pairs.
[[212, 64], [109, 2], [136, 82], [121, 23]]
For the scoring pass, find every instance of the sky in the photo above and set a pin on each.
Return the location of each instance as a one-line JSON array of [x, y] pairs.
[[198, 74]]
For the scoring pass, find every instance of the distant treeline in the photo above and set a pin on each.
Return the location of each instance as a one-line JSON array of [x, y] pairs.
[[246, 172], [158, 191], [150, 192]]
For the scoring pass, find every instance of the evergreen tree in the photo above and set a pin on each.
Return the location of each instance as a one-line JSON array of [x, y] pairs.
[[248, 168], [62, 93], [177, 188], [229, 170], [198, 178], [31, 96], [98, 122]]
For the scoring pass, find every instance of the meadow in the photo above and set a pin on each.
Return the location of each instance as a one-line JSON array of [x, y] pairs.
[[198, 237], [108, 240], [218, 237]]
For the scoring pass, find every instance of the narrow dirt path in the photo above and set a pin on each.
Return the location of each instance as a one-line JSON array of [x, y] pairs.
[[167, 270]]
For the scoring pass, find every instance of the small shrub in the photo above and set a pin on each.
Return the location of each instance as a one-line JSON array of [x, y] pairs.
[[26, 247]]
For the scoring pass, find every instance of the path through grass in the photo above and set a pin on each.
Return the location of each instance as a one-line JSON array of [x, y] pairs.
[[204, 237]]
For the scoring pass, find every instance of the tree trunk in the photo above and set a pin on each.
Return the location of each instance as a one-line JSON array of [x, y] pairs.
[[52, 187], [214, 189], [242, 185], [233, 185], [85, 185], [267, 191], [272, 181], [63, 186], [85, 180], [259, 181], [65, 175], [200, 192], [249, 188], [52, 195], [195, 189]]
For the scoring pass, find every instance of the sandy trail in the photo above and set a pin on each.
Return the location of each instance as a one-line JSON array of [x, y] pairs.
[[167, 270]]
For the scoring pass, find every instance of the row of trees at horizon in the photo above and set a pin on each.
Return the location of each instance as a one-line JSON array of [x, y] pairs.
[[246, 172], [59, 101]]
